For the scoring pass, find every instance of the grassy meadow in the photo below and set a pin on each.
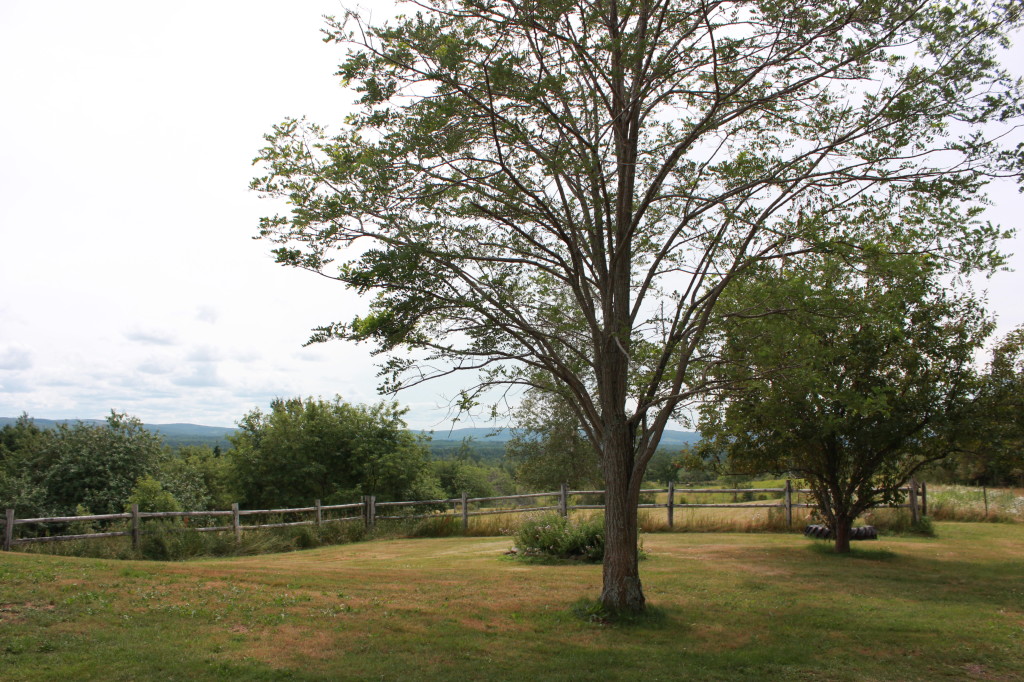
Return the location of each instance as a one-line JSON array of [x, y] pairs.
[[724, 607]]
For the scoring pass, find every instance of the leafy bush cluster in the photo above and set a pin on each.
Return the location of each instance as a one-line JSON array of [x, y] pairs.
[[298, 452], [171, 543], [556, 537]]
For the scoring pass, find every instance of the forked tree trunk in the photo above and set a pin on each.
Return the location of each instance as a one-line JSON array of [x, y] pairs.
[[622, 591]]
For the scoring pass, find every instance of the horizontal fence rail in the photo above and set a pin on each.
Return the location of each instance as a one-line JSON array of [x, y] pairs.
[[370, 511]]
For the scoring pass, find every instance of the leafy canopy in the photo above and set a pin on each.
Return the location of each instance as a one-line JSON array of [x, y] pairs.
[[568, 187]]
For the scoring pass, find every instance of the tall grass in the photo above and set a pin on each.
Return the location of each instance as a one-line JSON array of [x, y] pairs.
[[172, 541], [728, 520], [968, 503]]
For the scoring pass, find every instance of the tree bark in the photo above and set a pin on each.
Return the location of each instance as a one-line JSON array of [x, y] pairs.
[[842, 533], [622, 591]]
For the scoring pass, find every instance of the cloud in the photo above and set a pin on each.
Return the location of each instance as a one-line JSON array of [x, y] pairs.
[[15, 358], [14, 384], [204, 354], [204, 375], [154, 366], [61, 381], [207, 313], [152, 337]]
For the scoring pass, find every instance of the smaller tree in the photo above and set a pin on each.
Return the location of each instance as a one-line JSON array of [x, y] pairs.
[[151, 496], [329, 450], [24, 448], [97, 466], [549, 448], [862, 377], [457, 476], [664, 467], [993, 452], [198, 477]]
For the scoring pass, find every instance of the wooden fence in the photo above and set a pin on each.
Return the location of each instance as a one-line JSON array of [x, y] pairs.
[[369, 510]]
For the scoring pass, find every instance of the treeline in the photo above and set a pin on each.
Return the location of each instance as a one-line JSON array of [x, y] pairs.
[[295, 452], [300, 450]]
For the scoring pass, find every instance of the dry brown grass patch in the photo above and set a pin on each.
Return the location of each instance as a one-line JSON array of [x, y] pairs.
[[19, 612]]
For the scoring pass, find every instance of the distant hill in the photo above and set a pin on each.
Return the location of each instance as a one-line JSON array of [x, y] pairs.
[[489, 443], [175, 435], [504, 435]]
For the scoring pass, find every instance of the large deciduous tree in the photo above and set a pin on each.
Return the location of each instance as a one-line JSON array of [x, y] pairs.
[[862, 377], [565, 189]]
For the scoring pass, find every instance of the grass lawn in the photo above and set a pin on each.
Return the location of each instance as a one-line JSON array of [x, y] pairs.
[[728, 606]]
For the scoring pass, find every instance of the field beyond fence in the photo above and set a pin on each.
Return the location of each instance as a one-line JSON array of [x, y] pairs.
[[369, 511]]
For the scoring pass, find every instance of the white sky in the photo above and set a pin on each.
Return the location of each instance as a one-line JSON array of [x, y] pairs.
[[128, 276]]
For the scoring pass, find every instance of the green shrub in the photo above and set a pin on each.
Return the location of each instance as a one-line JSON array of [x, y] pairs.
[[556, 537], [151, 496]]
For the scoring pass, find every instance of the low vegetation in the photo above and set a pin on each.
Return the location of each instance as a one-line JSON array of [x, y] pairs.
[[555, 537], [971, 503]]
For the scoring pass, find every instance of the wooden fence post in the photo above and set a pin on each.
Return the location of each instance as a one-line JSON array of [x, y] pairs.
[[370, 510], [465, 511], [235, 524], [924, 499], [671, 503], [915, 515], [563, 500], [9, 530], [319, 514], [136, 530], [789, 503]]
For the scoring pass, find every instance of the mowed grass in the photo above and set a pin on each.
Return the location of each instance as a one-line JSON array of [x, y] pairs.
[[725, 607]]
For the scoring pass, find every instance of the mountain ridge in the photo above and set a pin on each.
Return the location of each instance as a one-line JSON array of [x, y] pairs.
[[182, 433], [505, 434]]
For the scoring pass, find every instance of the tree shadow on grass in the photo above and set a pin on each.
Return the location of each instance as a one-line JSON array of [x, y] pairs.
[[987, 582], [827, 548], [593, 611]]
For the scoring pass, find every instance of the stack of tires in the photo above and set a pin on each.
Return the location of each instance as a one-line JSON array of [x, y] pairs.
[[825, 533]]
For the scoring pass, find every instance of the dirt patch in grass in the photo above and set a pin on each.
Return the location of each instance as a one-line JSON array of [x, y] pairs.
[[19, 612], [289, 646]]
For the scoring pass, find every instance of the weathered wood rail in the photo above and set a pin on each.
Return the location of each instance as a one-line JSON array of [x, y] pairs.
[[369, 511]]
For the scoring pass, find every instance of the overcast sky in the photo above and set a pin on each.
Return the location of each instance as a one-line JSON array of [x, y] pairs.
[[128, 274]]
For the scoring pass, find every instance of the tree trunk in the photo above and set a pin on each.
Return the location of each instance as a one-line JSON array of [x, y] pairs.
[[622, 591], [842, 533]]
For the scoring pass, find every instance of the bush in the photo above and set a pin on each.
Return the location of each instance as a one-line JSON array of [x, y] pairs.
[[168, 541], [556, 537], [151, 496]]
